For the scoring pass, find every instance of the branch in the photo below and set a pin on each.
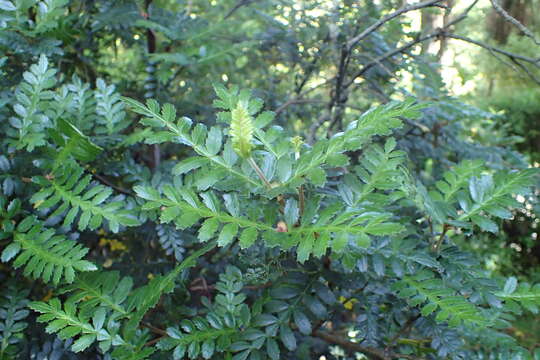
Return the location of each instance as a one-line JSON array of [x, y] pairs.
[[298, 99], [337, 99], [301, 201], [509, 18], [405, 328], [238, 5], [441, 32], [352, 347], [311, 66], [154, 329], [512, 64], [352, 42], [110, 184], [208, 288], [349, 346], [462, 16], [527, 71], [511, 55], [391, 53], [259, 172], [294, 101], [437, 245], [438, 32], [313, 128], [162, 333], [383, 67], [151, 48]]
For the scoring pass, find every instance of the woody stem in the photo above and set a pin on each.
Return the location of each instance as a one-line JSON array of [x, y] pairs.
[[259, 171]]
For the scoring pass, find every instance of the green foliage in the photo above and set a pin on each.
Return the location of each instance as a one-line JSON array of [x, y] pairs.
[[171, 240], [432, 294], [13, 312], [68, 322], [288, 203], [44, 254], [478, 197], [310, 233], [33, 96], [84, 104], [379, 169], [491, 195], [73, 144], [101, 289], [206, 143], [147, 297], [202, 337], [98, 303], [525, 295], [458, 178], [71, 189], [110, 109]]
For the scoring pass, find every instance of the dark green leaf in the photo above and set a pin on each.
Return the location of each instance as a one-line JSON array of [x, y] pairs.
[[227, 234], [302, 322]]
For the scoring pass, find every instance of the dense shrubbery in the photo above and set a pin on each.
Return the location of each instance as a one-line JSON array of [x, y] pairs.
[[331, 211]]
